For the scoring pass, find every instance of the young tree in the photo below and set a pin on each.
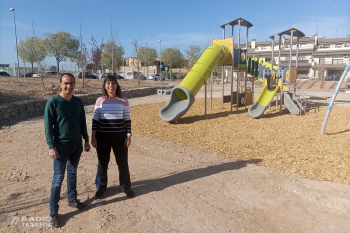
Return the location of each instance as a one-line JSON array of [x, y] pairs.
[[172, 57], [61, 45], [118, 52], [32, 50], [193, 54], [136, 47], [147, 55], [96, 52], [81, 57]]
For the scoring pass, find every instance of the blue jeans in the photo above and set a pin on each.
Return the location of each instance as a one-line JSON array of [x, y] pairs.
[[70, 153]]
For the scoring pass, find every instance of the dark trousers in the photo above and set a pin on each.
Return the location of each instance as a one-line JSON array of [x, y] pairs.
[[69, 157], [116, 141]]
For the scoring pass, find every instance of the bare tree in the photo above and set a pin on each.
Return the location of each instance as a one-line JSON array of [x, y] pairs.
[[136, 45], [82, 56], [321, 74], [38, 54], [96, 52]]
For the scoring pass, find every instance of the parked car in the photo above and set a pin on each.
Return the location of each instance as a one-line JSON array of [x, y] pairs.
[[88, 75], [305, 78], [134, 75], [150, 76], [3, 73], [332, 78], [36, 75], [29, 74], [52, 74], [158, 77], [118, 76], [104, 75]]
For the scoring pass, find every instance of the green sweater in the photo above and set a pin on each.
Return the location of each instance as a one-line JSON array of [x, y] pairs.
[[65, 121]]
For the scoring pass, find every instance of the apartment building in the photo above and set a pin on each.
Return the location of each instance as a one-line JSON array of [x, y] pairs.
[[317, 57]]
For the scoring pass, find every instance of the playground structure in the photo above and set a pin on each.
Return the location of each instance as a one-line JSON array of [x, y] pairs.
[[335, 93], [293, 99], [277, 80], [221, 52]]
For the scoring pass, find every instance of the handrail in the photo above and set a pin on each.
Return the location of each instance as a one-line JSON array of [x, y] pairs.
[[301, 97]]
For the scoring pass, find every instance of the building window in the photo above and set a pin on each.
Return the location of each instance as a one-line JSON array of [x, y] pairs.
[[322, 61], [337, 61], [267, 59]]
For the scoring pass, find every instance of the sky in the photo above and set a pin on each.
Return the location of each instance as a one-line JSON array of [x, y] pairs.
[[176, 23]]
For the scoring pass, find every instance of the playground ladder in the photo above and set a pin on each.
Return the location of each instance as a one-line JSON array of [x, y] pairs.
[[300, 98], [295, 101]]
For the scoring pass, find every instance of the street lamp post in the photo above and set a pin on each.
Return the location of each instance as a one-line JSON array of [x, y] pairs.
[[160, 59], [14, 20], [124, 67]]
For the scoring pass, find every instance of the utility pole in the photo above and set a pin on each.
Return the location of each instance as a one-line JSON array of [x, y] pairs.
[[14, 21], [160, 59]]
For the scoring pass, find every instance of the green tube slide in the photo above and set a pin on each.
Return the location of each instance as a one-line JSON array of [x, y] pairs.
[[182, 96]]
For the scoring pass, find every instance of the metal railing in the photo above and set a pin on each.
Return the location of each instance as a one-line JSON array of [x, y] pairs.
[[331, 63], [301, 97]]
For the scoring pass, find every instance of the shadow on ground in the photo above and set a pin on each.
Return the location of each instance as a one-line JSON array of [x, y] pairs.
[[196, 118], [154, 185]]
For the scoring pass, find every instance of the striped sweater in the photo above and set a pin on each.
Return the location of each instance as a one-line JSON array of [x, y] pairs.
[[112, 115]]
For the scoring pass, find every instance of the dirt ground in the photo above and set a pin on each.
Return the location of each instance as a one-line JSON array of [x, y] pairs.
[[17, 89], [183, 187]]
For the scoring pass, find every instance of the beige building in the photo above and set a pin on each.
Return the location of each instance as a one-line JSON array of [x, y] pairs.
[[317, 57]]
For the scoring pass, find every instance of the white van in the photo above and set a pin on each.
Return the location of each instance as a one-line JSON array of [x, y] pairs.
[[134, 75]]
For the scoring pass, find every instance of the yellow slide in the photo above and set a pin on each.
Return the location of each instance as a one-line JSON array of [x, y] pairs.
[[182, 96], [263, 101]]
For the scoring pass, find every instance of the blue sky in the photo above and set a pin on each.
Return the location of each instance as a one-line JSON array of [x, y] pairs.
[[177, 23]]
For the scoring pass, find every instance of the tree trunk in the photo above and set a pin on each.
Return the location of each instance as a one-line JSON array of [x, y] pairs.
[[171, 74], [32, 67], [58, 67], [83, 76]]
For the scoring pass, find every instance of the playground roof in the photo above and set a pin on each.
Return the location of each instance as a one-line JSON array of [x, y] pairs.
[[244, 23], [288, 32]]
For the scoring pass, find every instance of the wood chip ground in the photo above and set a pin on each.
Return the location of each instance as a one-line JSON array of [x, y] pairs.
[[286, 142]]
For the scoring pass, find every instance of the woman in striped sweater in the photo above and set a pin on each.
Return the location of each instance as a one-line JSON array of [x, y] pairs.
[[111, 128]]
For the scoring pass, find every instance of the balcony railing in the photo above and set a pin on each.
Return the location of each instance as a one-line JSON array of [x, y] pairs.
[[299, 61], [331, 63]]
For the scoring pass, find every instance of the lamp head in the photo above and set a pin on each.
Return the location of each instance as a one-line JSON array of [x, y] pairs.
[[159, 40], [12, 9]]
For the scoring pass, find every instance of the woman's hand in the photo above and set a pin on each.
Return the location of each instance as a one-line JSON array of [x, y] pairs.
[[93, 141], [128, 141]]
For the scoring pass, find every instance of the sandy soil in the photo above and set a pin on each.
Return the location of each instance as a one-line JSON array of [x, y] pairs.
[[17, 89], [178, 189]]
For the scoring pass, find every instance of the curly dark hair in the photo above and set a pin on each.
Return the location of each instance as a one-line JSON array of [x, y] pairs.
[[104, 91]]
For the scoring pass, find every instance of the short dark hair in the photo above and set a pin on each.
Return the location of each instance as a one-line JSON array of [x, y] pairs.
[[68, 74], [104, 91]]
